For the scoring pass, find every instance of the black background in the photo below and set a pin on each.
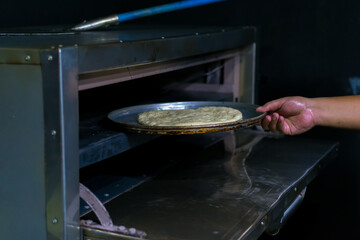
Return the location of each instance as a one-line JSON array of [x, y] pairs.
[[308, 48]]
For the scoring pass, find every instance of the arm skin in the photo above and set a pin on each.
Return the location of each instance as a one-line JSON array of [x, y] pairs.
[[296, 115]]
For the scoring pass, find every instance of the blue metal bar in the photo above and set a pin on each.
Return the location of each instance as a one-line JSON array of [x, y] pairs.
[[163, 9], [122, 17]]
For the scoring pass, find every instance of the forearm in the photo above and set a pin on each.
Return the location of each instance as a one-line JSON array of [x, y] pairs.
[[341, 112]]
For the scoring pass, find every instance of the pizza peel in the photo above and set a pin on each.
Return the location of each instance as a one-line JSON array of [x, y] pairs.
[[126, 118]]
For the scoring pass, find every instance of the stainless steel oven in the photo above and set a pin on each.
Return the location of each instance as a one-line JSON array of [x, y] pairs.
[[56, 89]]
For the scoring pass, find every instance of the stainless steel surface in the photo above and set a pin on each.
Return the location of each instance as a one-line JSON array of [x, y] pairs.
[[92, 24], [278, 221], [128, 46], [96, 234], [61, 126], [126, 118], [38, 151], [93, 80], [22, 160], [39, 72], [247, 73], [109, 185], [161, 49], [235, 190]]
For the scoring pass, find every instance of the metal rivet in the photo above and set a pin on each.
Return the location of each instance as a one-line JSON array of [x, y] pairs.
[[27, 58], [50, 58], [106, 194], [54, 221], [263, 221], [53, 132], [86, 207]]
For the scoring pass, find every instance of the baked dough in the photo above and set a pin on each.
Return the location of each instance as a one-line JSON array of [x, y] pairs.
[[190, 117]]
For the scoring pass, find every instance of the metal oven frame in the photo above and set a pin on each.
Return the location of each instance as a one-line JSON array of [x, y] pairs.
[[40, 76]]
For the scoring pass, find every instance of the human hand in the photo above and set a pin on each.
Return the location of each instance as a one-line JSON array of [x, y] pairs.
[[289, 115]]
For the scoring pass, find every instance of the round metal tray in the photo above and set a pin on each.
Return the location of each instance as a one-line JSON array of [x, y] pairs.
[[126, 118]]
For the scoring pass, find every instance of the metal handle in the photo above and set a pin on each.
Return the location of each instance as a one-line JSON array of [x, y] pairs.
[[293, 207], [277, 222]]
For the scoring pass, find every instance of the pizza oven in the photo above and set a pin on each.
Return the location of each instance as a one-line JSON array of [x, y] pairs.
[[70, 172]]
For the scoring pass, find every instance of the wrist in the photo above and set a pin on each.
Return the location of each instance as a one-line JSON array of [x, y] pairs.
[[320, 110], [312, 106]]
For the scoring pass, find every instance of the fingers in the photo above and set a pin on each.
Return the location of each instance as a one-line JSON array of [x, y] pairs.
[[275, 123], [283, 126], [270, 122], [265, 122]]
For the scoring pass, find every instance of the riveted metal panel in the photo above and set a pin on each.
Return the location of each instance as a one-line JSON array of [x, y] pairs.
[[22, 160]]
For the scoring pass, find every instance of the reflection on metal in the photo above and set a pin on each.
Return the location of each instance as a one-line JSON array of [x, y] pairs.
[[240, 147], [98, 79], [215, 194], [293, 207], [102, 214], [59, 79], [87, 25]]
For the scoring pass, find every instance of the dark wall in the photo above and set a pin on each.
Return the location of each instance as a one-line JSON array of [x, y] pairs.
[[301, 44], [309, 48], [20, 13]]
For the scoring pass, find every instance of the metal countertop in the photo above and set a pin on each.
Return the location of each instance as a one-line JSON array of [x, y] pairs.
[[235, 190]]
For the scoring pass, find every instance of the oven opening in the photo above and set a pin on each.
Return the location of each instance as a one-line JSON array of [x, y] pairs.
[[113, 163]]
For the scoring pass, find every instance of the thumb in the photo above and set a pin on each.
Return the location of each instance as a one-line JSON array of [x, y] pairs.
[[272, 106]]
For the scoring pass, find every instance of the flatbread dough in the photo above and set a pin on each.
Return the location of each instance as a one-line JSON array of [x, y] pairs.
[[190, 117]]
